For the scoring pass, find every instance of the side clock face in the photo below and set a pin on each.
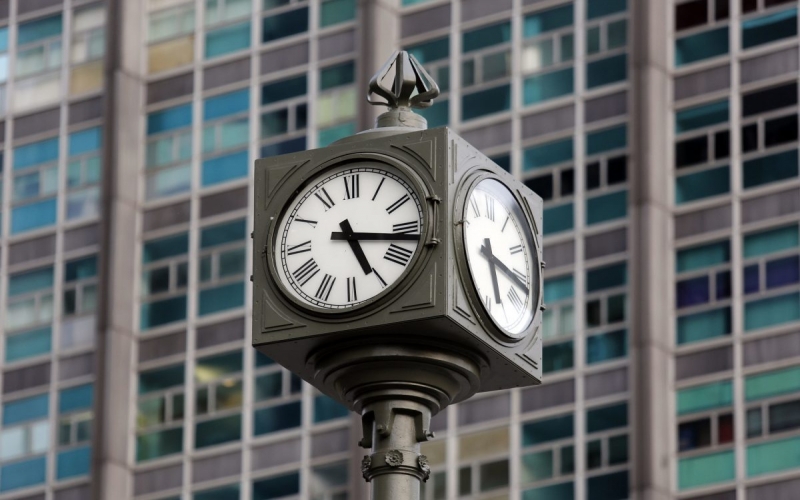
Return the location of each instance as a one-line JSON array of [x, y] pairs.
[[348, 236], [501, 256]]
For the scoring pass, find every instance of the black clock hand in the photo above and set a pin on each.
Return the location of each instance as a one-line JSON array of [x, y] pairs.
[[508, 272], [375, 236], [495, 286], [355, 246]]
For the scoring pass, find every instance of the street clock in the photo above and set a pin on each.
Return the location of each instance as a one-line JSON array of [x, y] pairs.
[[399, 268]]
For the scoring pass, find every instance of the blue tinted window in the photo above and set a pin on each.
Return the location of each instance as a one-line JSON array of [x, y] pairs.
[[751, 279], [702, 256], [225, 168], [4, 39], [437, 115], [39, 29], [704, 325], [548, 20], [23, 474], [432, 50], [769, 28], [557, 219], [33, 216], [770, 168], [277, 487], [336, 11], [486, 36], [607, 207], [557, 357], [226, 104], [608, 486], [283, 89], [330, 135], [28, 344], [223, 233], [548, 86], [80, 268], [164, 248], [607, 417], [606, 277], [30, 281], [228, 39], [26, 409], [36, 153], [230, 492], [159, 444], [551, 153], [73, 463], [770, 241], [76, 398], [484, 102], [162, 312], [782, 272], [551, 429], [701, 46], [692, 292], [607, 139], [85, 141], [276, 418], [284, 147], [222, 298], [771, 311], [285, 24], [161, 378], [606, 346], [335, 76], [559, 288], [218, 431], [701, 116], [561, 491], [326, 409], [605, 71], [701, 185], [169, 119], [599, 8]]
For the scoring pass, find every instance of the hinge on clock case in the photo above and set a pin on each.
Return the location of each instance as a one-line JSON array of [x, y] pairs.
[[434, 201]]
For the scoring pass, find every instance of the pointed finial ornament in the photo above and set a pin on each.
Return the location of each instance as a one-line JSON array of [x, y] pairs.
[[411, 87]]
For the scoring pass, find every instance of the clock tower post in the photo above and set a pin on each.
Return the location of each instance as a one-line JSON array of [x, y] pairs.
[[398, 271]]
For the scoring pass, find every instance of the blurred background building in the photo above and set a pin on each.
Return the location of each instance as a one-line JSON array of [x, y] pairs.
[[662, 136]]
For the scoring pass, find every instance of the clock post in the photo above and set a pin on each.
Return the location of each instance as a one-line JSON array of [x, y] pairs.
[[398, 271]]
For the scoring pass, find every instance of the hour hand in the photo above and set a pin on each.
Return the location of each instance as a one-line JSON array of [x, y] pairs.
[[355, 246], [487, 252]]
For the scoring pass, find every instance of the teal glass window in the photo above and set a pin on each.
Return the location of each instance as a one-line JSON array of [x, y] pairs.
[[606, 346], [485, 102], [769, 28], [606, 417], [284, 25], [326, 409], [161, 378], [431, 50], [704, 115], [704, 325], [169, 119], [606, 139], [547, 154], [164, 248], [701, 46], [226, 104], [33, 216], [701, 185], [704, 397], [4, 39], [600, 8], [330, 135], [537, 466], [699, 257], [222, 298], [772, 311], [771, 241], [335, 76], [277, 487], [704, 470], [276, 418], [437, 116], [23, 410], [159, 444], [548, 20], [224, 168], [775, 456], [607, 207], [230, 492], [336, 11], [283, 89], [546, 86], [39, 29], [768, 169], [612, 486], [73, 463], [223, 233], [611, 276], [23, 474], [486, 36], [558, 219], [558, 357], [559, 288], [550, 429], [85, 141], [28, 344], [218, 431], [30, 281], [772, 383], [560, 491], [228, 39], [76, 398], [607, 71], [36, 153]]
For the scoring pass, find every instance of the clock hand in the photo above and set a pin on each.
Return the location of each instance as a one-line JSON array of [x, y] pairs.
[[508, 272], [375, 236], [493, 270], [355, 246]]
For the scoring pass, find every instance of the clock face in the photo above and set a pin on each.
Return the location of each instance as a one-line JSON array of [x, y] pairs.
[[348, 236], [501, 256]]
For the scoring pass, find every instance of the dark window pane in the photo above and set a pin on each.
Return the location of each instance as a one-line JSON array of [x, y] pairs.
[[784, 416], [692, 292], [780, 130], [722, 144], [284, 89], [274, 123], [725, 429], [543, 186], [754, 426], [567, 182], [277, 487], [750, 137], [616, 309], [766, 100], [465, 481], [691, 152], [783, 272], [503, 161], [749, 5], [618, 450], [468, 73], [594, 455], [567, 460], [301, 116], [688, 15], [722, 9], [770, 3], [608, 487], [276, 418], [772, 168], [694, 434], [494, 475], [607, 417], [485, 102], [593, 313], [751, 279], [557, 357], [723, 285], [550, 429], [285, 24], [592, 176], [617, 170]]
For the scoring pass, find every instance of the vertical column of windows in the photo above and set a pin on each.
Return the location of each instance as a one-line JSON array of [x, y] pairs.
[[35, 186], [73, 458], [607, 452], [24, 442], [226, 133], [284, 116], [221, 267], [159, 419], [277, 397], [38, 61], [165, 269], [336, 103], [483, 469], [606, 43], [169, 152], [556, 182], [548, 54], [606, 309], [227, 26], [434, 55], [701, 28], [88, 48], [170, 36], [284, 19], [218, 399], [548, 457], [485, 70], [84, 172]]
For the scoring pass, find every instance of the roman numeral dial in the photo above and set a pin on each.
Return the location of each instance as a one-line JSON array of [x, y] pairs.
[[501, 256], [348, 236]]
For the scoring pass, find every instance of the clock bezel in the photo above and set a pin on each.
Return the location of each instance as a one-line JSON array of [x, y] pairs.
[[468, 185], [371, 160]]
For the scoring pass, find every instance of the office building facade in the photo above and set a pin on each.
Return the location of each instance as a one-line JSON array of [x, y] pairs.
[[662, 135]]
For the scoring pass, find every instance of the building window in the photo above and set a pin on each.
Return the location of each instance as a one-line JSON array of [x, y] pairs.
[[221, 267], [218, 399], [84, 171], [159, 421], [164, 280], [30, 299], [547, 54], [169, 152], [558, 319], [35, 186]]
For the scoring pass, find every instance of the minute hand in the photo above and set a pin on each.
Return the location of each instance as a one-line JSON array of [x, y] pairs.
[[508, 272], [375, 236]]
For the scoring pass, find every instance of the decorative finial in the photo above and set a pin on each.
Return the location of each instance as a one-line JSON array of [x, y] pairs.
[[412, 87]]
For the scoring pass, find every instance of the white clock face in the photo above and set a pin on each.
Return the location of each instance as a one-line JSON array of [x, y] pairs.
[[501, 256], [348, 236]]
